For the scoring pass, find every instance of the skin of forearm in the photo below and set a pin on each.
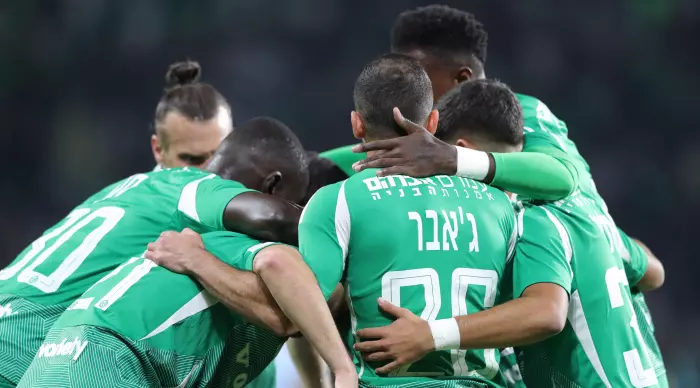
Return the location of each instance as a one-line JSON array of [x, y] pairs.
[[242, 292], [523, 321], [263, 217], [296, 290], [306, 360]]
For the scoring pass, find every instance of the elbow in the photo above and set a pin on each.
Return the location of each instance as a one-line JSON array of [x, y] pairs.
[[553, 319], [654, 277], [268, 262], [283, 327], [566, 184]]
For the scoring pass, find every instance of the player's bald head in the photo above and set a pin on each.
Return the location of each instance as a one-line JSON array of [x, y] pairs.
[[392, 80], [265, 155]]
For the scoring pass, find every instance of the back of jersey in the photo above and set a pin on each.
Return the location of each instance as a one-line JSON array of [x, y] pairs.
[[171, 323], [97, 236], [437, 246], [601, 345]]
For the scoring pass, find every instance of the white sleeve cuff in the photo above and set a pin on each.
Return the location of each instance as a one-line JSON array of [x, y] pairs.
[[472, 164]]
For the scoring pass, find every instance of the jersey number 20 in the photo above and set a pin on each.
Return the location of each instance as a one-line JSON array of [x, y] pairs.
[[462, 279]]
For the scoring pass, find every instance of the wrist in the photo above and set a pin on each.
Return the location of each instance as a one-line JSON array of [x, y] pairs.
[[472, 164], [445, 334], [195, 262]]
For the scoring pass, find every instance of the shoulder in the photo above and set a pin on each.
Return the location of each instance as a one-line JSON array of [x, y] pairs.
[[542, 220], [324, 201]]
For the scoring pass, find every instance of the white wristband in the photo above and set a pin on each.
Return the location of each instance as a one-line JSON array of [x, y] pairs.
[[445, 333], [472, 163]]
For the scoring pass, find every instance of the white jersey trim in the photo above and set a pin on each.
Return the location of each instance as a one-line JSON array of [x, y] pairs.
[[188, 198], [577, 318], [200, 302], [342, 223]]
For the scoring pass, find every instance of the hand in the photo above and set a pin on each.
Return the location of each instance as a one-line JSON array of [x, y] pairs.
[[174, 250], [419, 154], [405, 341], [347, 379]]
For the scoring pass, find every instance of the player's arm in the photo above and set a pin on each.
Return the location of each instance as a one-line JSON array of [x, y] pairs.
[[644, 270], [263, 217], [545, 173], [241, 291], [324, 252], [541, 282], [215, 204], [295, 289]]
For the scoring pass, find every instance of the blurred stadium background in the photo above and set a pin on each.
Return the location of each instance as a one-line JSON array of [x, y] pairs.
[[79, 80]]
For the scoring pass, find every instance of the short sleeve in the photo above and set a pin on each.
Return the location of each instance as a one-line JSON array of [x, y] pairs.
[[543, 253], [234, 249], [634, 258], [324, 234], [202, 202]]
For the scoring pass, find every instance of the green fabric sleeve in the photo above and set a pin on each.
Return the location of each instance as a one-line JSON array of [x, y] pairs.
[[234, 249], [344, 158], [634, 258], [534, 175], [543, 254], [323, 236], [202, 202]]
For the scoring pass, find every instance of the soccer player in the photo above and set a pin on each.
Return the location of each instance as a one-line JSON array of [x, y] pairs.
[[144, 326], [597, 348], [191, 120], [117, 222], [415, 242], [451, 45]]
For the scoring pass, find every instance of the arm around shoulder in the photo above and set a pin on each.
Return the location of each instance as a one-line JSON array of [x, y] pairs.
[[263, 217], [535, 175]]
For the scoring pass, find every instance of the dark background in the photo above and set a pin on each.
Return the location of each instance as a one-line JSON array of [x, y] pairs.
[[79, 80]]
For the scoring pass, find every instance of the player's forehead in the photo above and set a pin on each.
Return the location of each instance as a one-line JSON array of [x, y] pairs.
[[193, 136]]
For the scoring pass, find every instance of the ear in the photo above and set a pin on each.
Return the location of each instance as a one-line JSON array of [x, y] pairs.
[[270, 183], [157, 149], [432, 123], [358, 127], [465, 144], [464, 73]]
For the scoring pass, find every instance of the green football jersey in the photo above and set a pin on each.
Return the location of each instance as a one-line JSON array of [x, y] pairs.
[[601, 345], [100, 234], [183, 329], [437, 246], [344, 158], [510, 369], [545, 133]]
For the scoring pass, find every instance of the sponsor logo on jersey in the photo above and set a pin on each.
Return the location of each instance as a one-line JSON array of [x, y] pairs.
[[64, 348], [6, 310]]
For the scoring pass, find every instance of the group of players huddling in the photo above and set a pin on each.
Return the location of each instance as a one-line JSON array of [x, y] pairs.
[[464, 238]]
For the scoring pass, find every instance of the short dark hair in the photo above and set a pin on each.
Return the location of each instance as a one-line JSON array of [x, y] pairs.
[[195, 100], [482, 111], [392, 80], [442, 31], [266, 145]]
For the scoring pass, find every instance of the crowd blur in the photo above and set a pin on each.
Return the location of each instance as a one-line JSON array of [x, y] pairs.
[[79, 80]]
